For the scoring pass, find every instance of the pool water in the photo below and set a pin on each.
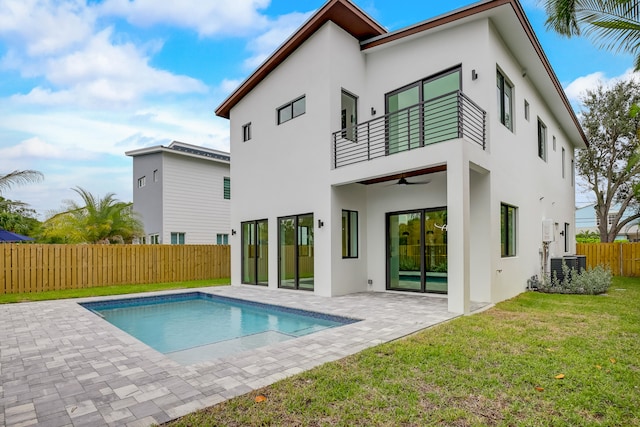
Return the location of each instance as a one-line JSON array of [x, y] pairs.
[[196, 327]]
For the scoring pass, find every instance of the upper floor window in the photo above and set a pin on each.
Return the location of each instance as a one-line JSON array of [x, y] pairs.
[[542, 140], [246, 132], [563, 161], [154, 239], [226, 190], [505, 101], [142, 181], [292, 110], [155, 175], [526, 110]]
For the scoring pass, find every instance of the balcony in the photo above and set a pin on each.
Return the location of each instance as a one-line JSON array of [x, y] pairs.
[[450, 116]]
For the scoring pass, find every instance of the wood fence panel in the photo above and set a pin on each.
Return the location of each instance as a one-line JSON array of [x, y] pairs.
[[38, 268], [623, 259]]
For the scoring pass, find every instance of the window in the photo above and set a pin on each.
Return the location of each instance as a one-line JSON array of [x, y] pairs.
[[222, 239], [349, 115], [508, 230], [246, 132], [542, 141], [154, 239], [227, 188], [296, 252], [349, 234], [566, 236], [554, 143], [255, 252], [526, 110], [142, 181], [177, 238], [505, 101], [155, 175], [563, 160], [292, 110], [573, 172]]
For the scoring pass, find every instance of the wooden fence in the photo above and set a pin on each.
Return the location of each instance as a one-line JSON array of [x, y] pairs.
[[38, 268], [622, 258]]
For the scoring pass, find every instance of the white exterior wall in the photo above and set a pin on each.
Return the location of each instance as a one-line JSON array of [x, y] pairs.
[[193, 196], [283, 168], [286, 170]]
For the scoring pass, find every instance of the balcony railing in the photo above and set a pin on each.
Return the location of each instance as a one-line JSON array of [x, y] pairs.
[[450, 116]]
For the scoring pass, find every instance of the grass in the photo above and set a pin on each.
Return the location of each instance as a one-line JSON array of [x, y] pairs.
[[108, 290], [497, 368]]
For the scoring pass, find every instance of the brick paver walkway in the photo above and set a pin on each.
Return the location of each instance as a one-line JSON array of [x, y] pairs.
[[62, 365]]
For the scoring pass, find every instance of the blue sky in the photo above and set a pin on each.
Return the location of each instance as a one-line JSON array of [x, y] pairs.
[[83, 81]]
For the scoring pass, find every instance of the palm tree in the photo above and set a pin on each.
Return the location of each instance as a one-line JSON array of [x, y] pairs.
[[95, 220], [19, 177], [611, 24]]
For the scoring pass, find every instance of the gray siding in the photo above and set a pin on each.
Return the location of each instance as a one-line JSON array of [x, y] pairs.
[[147, 201]]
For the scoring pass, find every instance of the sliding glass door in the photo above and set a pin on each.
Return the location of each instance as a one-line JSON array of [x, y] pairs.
[[296, 252], [255, 252], [417, 250]]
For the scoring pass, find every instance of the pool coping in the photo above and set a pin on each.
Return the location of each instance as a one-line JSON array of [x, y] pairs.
[[62, 365]]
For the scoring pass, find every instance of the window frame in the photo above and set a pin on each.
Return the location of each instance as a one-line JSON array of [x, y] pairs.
[[246, 132], [142, 181], [154, 239], [564, 156], [180, 238], [290, 108], [508, 243], [527, 111], [155, 175], [542, 140], [349, 233], [222, 239], [503, 82], [226, 188]]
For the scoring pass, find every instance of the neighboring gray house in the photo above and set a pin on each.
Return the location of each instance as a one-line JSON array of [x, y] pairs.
[[587, 221], [183, 193]]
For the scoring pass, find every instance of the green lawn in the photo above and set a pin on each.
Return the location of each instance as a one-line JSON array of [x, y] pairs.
[[498, 367], [109, 290]]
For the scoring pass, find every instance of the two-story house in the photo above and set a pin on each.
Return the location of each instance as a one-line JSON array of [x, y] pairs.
[[183, 193], [423, 160]]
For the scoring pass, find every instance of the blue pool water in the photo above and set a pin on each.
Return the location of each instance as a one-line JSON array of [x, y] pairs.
[[195, 327]]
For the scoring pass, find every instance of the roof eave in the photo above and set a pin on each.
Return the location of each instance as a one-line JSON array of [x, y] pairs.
[[342, 12]]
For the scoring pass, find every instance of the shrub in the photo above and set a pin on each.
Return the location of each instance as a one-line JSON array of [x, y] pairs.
[[590, 282]]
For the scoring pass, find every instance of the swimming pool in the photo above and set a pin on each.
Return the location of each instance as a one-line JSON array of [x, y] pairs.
[[195, 327]]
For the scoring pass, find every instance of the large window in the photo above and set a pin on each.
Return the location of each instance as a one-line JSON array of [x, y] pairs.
[[255, 252], [505, 101], [296, 252], [292, 110], [177, 238], [508, 230], [542, 141], [424, 112], [227, 188], [349, 234]]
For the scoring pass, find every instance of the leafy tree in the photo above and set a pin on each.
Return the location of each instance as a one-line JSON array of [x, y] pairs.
[[95, 220], [16, 217], [611, 164], [611, 24], [588, 237]]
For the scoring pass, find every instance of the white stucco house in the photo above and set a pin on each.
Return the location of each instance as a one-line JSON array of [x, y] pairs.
[[420, 160], [182, 193]]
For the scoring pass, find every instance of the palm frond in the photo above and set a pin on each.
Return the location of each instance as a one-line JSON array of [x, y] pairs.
[[19, 177]]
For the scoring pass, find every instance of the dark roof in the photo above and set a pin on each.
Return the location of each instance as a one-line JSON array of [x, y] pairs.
[[199, 152]]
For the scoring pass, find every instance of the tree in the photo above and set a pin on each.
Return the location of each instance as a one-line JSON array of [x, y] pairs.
[[611, 163], [611, 24], [16, 217], [95, 220]]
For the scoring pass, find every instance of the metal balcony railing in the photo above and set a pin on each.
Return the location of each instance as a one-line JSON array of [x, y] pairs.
[[449, 116]]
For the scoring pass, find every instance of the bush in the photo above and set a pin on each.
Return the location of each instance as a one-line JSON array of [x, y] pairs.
[[589, 282]]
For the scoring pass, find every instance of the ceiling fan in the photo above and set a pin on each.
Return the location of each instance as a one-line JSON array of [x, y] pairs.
[[403, 181]]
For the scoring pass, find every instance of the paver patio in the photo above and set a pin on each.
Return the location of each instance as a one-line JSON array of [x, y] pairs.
[[62, 365]]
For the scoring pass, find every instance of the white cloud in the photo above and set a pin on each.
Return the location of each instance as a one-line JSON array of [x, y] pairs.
[[279, 30], [36, 148], [208, 18], [578, 88], [45, 27]]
